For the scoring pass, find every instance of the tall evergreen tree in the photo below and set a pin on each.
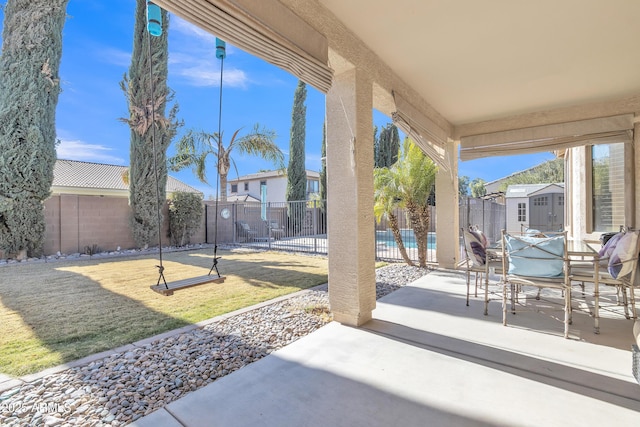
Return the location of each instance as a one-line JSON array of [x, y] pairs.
[[323, 180], [144, 107], [296, 171], [387, 146], [29, 88], [323, 169]]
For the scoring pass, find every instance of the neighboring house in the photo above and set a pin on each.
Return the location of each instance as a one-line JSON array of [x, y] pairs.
[[494, 186], [538, 206], [99, 179], [276, 186]]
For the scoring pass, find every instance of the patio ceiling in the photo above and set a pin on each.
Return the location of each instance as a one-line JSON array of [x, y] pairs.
[[475, 61], [469, 67]]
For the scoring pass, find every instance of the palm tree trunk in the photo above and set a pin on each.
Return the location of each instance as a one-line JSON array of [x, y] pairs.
[[395, 229], [419, 216], [223, 187]]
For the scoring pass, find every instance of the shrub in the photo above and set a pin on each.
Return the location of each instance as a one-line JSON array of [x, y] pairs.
[[185, 214]]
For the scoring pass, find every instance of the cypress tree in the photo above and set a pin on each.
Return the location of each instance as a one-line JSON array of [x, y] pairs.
[[387, 146], [143, 107], [323, 180], [296, 171], [323, 170], [29, 88]]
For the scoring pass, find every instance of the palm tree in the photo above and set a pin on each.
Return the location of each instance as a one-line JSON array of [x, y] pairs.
[[418, 177], [194, 148], [387, 200], [407, 184]]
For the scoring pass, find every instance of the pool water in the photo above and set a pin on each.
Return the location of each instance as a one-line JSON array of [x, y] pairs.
[[386, 237]]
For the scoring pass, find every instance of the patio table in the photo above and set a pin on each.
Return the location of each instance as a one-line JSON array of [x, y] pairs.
[[582, 249]]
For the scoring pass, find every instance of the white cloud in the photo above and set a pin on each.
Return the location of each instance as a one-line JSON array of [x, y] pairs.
[[181, 26], [115, 56], [80, 150], [204, 75], [193, 59]]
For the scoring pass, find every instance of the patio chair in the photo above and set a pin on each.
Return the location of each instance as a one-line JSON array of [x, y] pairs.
[[478, 261], [276, 231], [245, 232], [618, 265], [540, 262]]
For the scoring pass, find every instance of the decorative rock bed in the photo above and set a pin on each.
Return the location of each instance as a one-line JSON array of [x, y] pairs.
[[123, 387]]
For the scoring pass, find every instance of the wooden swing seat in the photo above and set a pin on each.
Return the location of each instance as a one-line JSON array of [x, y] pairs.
[[185, 283]]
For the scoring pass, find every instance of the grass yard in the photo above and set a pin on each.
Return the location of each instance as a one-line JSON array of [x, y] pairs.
[[51, 313]]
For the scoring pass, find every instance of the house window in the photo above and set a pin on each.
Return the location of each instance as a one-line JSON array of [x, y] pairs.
[[522, 212], [234, 188], [263, 183], [313, 186], [246, 186], [607, 186]]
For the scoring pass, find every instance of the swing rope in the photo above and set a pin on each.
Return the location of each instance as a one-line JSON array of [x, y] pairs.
[[220, 54], [154, 28]]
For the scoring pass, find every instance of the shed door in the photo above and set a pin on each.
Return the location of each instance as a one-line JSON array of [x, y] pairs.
[[546, 212]]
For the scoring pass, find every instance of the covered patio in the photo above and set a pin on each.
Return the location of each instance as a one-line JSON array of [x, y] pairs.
[[494, 78], [428, 359]]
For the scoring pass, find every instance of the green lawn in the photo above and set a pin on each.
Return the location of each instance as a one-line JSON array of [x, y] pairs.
[[56, 312]]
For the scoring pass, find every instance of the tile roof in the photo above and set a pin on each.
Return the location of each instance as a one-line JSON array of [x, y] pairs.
[[77, 174]]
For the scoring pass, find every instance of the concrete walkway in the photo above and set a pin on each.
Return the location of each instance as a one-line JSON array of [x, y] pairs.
[[427, 359]]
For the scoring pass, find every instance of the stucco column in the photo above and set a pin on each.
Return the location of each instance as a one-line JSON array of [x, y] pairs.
[[352, 289], [447, 212]]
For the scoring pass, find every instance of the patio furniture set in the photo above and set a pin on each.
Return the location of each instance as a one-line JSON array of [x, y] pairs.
[[552, 261]]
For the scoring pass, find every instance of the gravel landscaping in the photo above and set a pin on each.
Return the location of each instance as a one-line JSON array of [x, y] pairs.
[[123, 387]]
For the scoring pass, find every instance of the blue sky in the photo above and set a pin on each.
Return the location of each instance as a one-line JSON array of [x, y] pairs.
[[97, 48]]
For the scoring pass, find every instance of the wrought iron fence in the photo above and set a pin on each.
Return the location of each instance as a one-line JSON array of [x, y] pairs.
[[289, 226], [300, 227], [386, 246]]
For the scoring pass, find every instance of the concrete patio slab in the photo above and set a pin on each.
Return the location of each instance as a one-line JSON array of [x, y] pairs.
[[427, 359]]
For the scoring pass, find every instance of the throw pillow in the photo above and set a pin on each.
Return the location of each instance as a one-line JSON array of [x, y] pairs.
[[475, 248], [620, 264], [545, 259]]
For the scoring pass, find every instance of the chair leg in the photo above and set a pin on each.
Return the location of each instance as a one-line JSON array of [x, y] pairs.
[[476, 291], [504, 303], [567, 313], [568, 303], [618, 294], [632, 296], [486, 294], [468, 280], [625, 301]]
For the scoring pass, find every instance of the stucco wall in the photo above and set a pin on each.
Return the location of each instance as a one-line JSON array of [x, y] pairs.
[[74, 222]]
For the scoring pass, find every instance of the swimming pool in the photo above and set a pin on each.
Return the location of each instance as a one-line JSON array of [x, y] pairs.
[[386, 237]]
